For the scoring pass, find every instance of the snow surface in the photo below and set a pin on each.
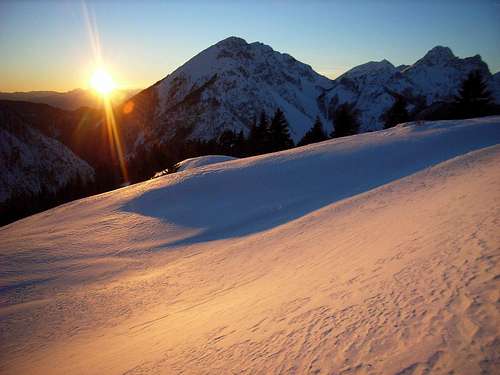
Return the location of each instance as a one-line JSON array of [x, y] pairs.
[[376, 253], [201, 161]]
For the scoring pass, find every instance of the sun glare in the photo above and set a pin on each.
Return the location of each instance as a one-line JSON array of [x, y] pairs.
[[102, 82]]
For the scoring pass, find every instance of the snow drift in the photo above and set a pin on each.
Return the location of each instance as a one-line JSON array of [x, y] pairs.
[[201, 161], [374, 253]]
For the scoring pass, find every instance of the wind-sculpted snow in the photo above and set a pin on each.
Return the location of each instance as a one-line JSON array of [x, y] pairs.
[[201, 161], [376, 253], [288, 185]]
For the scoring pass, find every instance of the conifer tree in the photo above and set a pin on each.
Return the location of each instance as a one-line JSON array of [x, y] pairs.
[[279, 134], [258, 139], [473, 99], [253, 136], [396, 114], [263, 145], [240, 145], [345, 121], [227, 142], [315, 134]]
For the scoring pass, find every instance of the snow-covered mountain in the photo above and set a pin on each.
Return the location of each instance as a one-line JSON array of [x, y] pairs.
[[226, 86], [32, 163], [372, 86], [82, 131], [438, 75], [376, 253]]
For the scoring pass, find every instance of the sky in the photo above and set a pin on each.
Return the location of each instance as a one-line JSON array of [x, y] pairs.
[[47, 45]]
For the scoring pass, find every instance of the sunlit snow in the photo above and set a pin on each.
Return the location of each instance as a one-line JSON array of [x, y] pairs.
[[376, 253]]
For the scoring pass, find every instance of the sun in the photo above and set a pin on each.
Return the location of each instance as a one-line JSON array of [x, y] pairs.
[[102, 82]]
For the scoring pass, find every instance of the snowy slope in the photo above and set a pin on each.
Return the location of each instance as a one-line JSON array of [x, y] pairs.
[[375, 253], [31, 162], [227, 86], [201, 161], [372, 86]]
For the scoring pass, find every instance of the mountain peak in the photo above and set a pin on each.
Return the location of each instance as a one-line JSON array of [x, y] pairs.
[[226, 85], [375, 67], [232, 41], [438, 55]]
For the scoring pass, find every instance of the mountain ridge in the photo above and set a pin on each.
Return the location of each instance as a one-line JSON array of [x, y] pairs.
[[68, 100], [33, 163], [228, 84], [374, 86], [232, 82]]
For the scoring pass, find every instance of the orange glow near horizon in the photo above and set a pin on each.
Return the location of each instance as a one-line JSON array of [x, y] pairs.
[[104, 85]]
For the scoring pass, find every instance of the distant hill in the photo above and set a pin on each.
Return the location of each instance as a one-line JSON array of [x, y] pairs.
[[69, 100], [37, 171], [49, 156]]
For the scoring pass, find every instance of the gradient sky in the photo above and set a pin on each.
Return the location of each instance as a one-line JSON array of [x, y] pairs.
[[45, 45]]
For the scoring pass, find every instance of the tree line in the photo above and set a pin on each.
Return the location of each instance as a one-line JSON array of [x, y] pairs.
[[22, 204]]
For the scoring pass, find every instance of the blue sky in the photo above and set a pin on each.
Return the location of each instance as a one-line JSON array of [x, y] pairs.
[[45, 45]]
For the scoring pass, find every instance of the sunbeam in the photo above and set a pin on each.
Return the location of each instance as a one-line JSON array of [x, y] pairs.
[[102, 82]]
